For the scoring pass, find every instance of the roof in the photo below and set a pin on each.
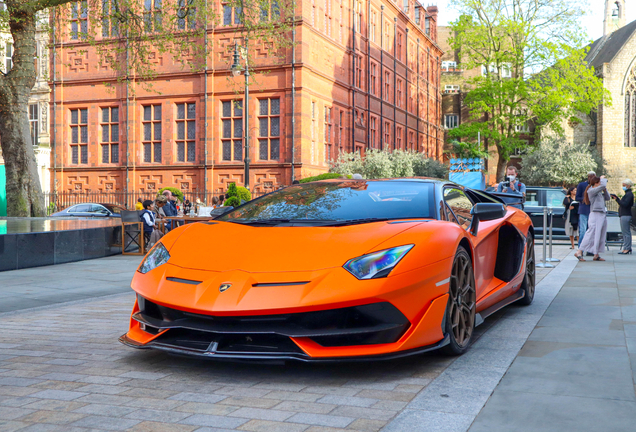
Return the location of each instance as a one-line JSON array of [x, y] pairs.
[[603, 50]]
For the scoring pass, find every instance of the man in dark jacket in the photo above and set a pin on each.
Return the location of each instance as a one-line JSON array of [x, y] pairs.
[[170, 209], [584, 209]]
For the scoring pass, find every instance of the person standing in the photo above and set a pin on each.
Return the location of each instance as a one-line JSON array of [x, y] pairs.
[[625, 205], [513, 185], [595, 196], [571, 215], [584, 209]]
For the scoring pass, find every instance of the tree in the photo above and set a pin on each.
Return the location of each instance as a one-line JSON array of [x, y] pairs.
[[123, 33], [557, 162], [532, 56]]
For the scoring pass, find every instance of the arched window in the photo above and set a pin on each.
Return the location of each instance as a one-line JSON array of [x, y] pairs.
[[616, 10], [630, 109]]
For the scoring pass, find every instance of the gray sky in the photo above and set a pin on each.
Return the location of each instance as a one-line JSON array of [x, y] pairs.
[[593, 21]]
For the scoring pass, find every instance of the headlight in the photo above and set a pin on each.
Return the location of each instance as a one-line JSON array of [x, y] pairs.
[[157, 256], [376, 264]]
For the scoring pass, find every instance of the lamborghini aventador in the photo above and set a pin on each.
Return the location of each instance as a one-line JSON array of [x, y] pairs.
[[336, 270]]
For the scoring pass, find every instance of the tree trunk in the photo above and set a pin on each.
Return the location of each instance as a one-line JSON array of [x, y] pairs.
[[24, 194], [502, 162]]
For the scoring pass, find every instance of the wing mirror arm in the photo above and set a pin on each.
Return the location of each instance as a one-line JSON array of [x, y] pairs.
[[485, 212]]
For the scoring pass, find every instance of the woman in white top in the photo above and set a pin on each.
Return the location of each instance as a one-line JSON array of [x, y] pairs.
[[594, 240]]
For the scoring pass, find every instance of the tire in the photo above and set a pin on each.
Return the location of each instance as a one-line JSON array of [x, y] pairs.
[[460, 311], [529, 281]]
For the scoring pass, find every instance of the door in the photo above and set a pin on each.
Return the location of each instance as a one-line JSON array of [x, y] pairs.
[[99, 211], [484, 243], [534, 208]]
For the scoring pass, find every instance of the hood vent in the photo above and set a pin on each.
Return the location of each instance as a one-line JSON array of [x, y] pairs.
[[273, 284]]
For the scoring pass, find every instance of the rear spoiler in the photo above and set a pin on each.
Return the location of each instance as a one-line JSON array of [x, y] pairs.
[[506, 198]]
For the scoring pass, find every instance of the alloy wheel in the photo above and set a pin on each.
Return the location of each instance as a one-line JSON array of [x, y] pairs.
[[462, 300]]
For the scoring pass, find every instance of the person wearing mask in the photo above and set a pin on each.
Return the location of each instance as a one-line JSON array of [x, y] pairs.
[[625, 205], [571, 215], [584, 209], [171, 208], [595, 196], [512, 185]]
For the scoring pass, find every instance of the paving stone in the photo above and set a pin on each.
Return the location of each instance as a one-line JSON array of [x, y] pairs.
[[155, 415], [366, 425], [272, 426], [19, 382], [143, 375], [10, 426], [58, 395], [150, 426], [347, 400], [198, 397], [308, 407], [158, 404], [55, 417], [321, 420], [250, 402], [15, 402], [213, 421], [369, 413], [103, 380], [12, 413], [102, 388], [203, 408], [293, 396], [429, 421], [105, 410], [54, 405], [107, 423], [238, 391], [396, 396]]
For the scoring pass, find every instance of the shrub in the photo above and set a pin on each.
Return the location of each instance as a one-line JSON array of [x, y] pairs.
[[176, 192], [325, 176], [240, 192], [557, 162], [389, 164], [233, 201]]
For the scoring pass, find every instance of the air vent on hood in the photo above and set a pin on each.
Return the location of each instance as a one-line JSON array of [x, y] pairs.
[[279, 284], [185, 281]]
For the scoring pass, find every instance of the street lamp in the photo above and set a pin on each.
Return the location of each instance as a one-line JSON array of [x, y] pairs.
[[241, 51]]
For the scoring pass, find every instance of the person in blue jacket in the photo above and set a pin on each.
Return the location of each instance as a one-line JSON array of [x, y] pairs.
[[584, 209]]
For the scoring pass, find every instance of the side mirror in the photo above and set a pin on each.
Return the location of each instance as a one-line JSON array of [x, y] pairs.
[[485, 212]]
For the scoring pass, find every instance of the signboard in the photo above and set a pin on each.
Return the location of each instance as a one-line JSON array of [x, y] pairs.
[[468, 172]]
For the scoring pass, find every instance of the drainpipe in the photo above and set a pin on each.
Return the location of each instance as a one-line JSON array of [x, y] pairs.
[[293, 95], [127, 115], [382, 77], [368, 74], [53, 136], [394, 82], [418, 94], [205, 109], [353, 81], [407, 87]]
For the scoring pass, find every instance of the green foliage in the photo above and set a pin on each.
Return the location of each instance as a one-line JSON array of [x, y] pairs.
[[176, 192], [239, 192], [467, 150], [233, 201], [389, 164], [325, 176], [556, 162], [536, 72]]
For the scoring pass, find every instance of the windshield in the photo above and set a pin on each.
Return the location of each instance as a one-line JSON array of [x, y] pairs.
[[341, 201]]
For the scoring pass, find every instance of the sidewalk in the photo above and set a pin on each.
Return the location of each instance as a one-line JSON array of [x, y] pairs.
[[576, 372]]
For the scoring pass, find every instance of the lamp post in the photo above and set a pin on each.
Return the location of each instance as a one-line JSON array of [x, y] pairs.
[[236, 71]]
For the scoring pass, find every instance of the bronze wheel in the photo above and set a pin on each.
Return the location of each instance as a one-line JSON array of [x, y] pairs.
[[460, 312], [530, 279]]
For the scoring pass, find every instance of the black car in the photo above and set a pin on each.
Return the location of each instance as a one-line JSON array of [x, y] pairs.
[[91, 210], [539, 197]]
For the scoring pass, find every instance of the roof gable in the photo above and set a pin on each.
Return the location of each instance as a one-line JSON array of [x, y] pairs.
[[603, 50]]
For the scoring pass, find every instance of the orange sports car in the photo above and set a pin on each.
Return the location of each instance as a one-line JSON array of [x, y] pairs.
[[335, 270]]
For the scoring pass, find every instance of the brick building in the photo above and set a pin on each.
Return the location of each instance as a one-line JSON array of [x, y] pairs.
[[366, 74]]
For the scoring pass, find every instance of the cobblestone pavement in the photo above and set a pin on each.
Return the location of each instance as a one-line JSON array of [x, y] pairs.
[[62, 369]]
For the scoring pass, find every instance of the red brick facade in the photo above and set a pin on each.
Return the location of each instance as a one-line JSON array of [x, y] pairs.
[[351, 93]]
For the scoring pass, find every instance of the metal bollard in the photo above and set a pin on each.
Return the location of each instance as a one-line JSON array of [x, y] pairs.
[[544, 264], [550, 259]]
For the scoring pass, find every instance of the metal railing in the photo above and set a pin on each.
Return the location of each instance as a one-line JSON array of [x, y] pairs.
[[56, 201]]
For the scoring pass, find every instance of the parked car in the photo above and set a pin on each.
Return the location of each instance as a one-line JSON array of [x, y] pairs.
[[91, 210], [539, 197]]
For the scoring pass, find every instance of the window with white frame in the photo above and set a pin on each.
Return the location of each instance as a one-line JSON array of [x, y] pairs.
[[523, 128], [449, 65], [8, 57], [109, 125], [186, 132], [232, 124], [269, 129], [34, 123], [451, 121], [506, 71], [151, 125], [153, 15]]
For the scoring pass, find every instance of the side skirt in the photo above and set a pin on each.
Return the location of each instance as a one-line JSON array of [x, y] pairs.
[[479, 318]]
